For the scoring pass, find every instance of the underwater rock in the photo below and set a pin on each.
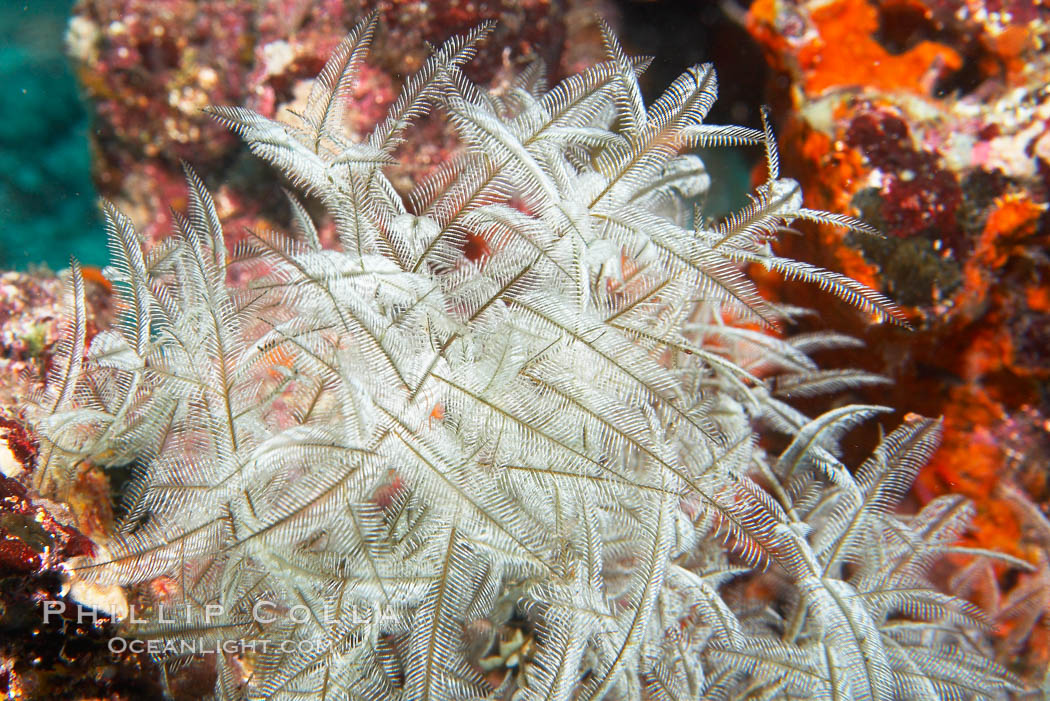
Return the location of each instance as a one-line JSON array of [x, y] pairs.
[[932, 120], [149, 68], [30, 308], [60, 654], [38, 537]]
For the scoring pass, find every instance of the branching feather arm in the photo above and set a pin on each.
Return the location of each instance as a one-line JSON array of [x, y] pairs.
[[405, 453]]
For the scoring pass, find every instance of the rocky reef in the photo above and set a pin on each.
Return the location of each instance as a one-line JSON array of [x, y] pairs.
[[149, 69], [931, 120]]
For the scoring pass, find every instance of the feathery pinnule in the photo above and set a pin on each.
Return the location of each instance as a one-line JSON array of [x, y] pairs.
[[376, 461]]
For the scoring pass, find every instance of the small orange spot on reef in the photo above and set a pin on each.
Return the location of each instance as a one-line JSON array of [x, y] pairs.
[[1008, 232], [92, 274], [1038, 299], [1013, 219], [995, 527], [438, 412], [1010, 46]]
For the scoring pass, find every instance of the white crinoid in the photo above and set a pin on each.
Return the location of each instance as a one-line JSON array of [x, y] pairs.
[[366, 467]]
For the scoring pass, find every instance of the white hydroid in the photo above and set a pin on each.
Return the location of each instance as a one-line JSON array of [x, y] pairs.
[[401, 454]]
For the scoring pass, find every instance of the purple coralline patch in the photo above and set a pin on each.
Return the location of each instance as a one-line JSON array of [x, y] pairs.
[[918, 196], [924, 204]]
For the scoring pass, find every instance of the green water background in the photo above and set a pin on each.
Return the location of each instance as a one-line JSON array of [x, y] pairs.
[[48, 205]]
